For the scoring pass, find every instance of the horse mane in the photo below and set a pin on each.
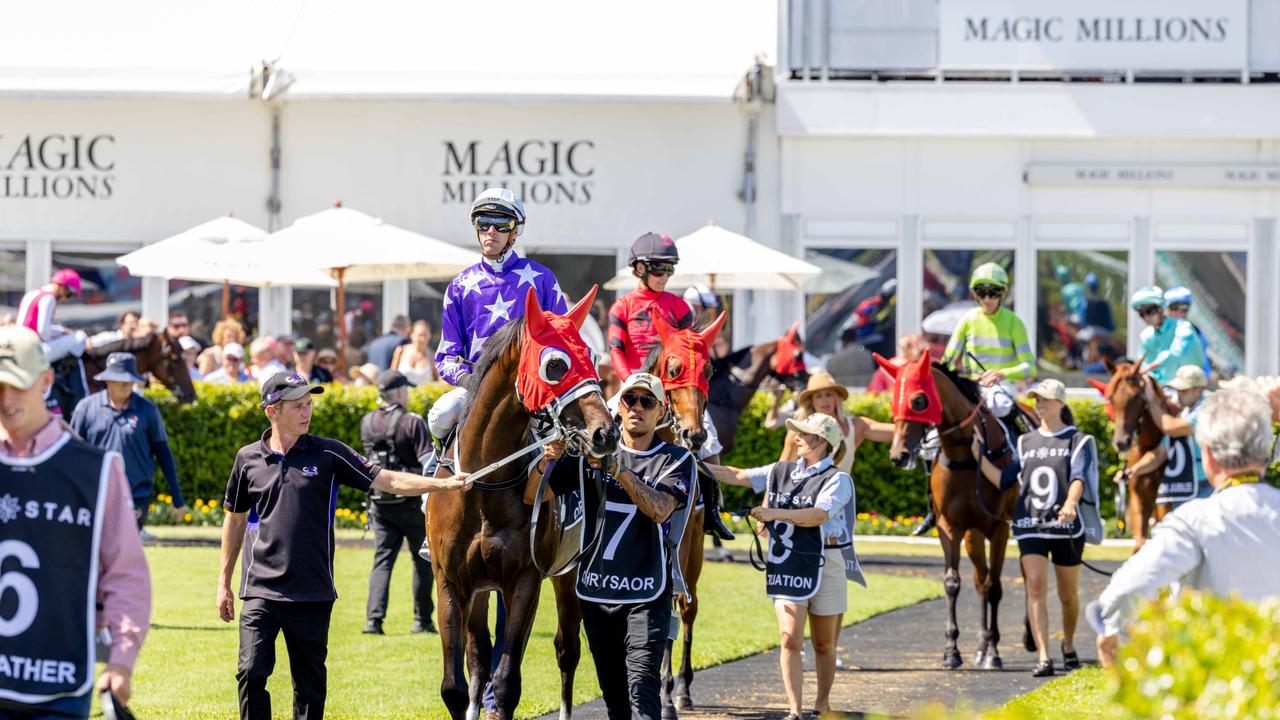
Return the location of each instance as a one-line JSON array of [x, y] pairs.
[[968, 388], [128, 345], [503, 342], [650, 359]]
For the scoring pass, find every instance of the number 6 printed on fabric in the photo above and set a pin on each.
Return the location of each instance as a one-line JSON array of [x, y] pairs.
[[781, 536], [28, 598], [626, 509], [1044, 488]]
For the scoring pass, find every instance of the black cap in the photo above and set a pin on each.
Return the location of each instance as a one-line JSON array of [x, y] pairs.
[[304, 345], [287, 386], [654, 247], [392, 379]]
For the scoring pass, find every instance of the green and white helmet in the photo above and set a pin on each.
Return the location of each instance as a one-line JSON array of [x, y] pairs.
[[989, 274], [1147, 295]]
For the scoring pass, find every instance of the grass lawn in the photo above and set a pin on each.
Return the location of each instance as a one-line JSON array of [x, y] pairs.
[[187, 666], [1082, 694]]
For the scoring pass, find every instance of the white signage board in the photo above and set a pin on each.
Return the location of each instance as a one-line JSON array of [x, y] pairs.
[[1083, 35], [1244, 177]]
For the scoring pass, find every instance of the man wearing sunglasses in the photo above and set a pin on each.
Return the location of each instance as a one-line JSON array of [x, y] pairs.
[[1168, 343], [1177, 302]]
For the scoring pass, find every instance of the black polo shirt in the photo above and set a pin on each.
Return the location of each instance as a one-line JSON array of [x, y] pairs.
[[290, 553]]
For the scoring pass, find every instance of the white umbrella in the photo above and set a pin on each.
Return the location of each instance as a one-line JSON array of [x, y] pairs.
[[227, 251], [726, 260], [944, 321], [838, 275], [354, 247]]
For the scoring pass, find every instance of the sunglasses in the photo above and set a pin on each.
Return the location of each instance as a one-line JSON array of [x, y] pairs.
[[326, 361], [497, 222], [1149, 310], [1179, 308], [660, 268], [178, 325], [986, 291], [648, 402]]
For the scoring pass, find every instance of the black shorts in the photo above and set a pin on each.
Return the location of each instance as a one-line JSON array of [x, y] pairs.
[[1066, 551]]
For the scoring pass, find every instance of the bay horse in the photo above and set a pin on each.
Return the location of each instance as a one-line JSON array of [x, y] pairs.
[[682, 360], [1135, 435], [158, 354], [966, 505], [736, 377], [537, 367]]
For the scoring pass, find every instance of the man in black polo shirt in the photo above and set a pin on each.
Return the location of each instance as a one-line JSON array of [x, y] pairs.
[[396, 439], [291, 479]]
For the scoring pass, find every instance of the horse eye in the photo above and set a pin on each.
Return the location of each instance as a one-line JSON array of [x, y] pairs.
[[555, 365], [919, 402]]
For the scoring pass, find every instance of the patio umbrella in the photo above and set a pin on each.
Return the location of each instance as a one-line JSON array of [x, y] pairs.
[[227, 251], [354, 247], [725, 260], [944, 321]]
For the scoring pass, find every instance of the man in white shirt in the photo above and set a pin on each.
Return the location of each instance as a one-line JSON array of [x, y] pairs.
[[1226, 543], [232, 371]]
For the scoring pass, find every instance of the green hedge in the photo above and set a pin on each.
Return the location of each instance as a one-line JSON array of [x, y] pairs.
[[206, 435]]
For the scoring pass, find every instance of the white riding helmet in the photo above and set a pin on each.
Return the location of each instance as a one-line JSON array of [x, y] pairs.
[[500, 201]]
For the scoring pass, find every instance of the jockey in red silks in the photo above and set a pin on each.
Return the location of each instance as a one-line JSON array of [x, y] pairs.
[[632, 334], [38, 307]]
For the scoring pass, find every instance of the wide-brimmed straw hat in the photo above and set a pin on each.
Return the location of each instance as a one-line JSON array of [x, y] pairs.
[[819, 381]]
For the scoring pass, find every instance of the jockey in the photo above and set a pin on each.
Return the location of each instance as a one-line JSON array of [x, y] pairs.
[[38, 307], [631, 331], [1168, 343], [994, 337], [1177, 301], [484, 297], [632, 335]]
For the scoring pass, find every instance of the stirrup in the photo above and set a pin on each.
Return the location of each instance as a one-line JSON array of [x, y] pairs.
[[712, 523], [927, 523]]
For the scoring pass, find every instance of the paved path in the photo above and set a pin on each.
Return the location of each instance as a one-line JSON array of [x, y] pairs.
[[892, 661]]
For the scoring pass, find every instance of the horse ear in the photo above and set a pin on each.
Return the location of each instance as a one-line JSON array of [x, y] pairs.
[[578, 313], [709, 334], [1099, 386], [534, 320], [660, 324], [886, 365], [793, 334], [1109, 365]]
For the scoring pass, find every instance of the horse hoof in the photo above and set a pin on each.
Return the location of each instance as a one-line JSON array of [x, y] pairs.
[[669, 713], [993, 662], [979, 657], [683, 702], [952, 660]]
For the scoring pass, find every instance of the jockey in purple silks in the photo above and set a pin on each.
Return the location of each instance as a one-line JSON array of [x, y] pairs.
[[485, 297]]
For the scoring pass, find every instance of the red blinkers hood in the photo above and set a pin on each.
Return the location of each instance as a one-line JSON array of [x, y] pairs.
[[549, 337], [915, 394]]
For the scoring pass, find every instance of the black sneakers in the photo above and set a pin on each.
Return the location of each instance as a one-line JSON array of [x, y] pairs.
[[1044, 669], [373, 627]]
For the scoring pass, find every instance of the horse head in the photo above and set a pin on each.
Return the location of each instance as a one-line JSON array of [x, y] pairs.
[[162, 357], [916, 405], [1126, 400], [787, 362], [557, 376], [684, 366]]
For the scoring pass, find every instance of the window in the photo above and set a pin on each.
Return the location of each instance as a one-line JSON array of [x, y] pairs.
[[202, 302], [313, 317], [1217, 284], [108, 290], [576, 273], [1080, 311], [13, 279], [844, 307], [945, 295]]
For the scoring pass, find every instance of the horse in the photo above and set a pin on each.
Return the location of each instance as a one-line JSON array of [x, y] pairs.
[[736, 377], [682, 360], [967, 506], [1135, 435], [157, 353], [479, 538]]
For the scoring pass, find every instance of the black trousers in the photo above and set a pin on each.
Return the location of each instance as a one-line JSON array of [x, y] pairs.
[[393, 524], [306, 637], [630, 680]]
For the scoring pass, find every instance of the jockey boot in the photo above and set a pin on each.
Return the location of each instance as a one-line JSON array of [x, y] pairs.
[[713, 524], [926, 524]]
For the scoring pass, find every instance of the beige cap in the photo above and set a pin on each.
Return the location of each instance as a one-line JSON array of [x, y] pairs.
[[1187, 377], [822, 425], [647, 382], [22, 357], [1049, 389]]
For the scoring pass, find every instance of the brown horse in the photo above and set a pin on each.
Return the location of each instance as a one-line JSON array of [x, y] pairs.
[[479, 538], [683, 361], [1135, 435], [967, 507], [736, 377], [157, 354]]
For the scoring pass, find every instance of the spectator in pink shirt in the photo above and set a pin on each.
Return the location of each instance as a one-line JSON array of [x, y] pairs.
[[67, 520]]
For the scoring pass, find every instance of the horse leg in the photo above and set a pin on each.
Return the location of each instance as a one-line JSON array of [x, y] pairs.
[[479, 653], [521, 598], [1139, 514], [449, 616], [951, 583], [975, 545], [995, 592], [688, 614], [568, 637]]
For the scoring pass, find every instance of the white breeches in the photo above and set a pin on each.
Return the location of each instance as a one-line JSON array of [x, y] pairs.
[[442, 418]]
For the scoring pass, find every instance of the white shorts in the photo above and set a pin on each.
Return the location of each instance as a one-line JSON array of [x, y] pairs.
[[832, 597]]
